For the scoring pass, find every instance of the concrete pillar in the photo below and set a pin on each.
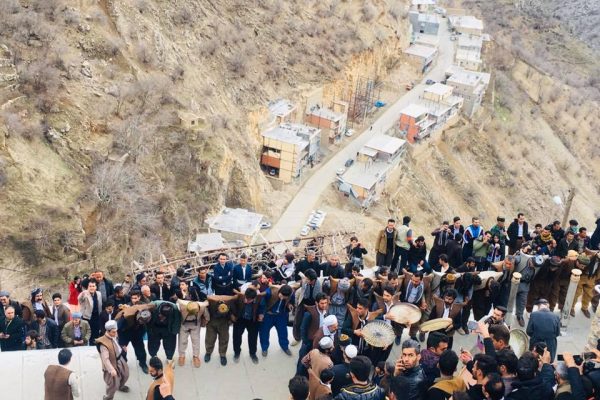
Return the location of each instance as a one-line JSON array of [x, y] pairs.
[[514, 287], [565, 314], [594, 335]]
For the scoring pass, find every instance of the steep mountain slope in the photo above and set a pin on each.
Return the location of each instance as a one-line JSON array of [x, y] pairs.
[[94, 161]]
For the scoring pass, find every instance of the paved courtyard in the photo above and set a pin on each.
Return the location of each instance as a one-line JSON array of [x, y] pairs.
[[22, 372]]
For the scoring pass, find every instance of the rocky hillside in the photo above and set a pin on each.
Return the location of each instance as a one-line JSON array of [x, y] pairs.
[[94, 160]]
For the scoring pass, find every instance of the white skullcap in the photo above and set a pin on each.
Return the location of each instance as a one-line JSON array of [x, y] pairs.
[[326, 343], [351, 351], [110, 325], [330, 320]]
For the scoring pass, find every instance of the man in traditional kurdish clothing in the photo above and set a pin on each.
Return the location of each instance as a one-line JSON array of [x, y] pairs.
[[114, 361]]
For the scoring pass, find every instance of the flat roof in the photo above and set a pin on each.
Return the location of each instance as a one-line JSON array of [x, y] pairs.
[[281, 107], [414, 110], [385, 143], [421, 51], [466, 77], [470, 41], [365, 175], [236, 220], [206, 242], [423, 2], [469, 55], [285, 135], [326, 113], [467, 21], [439, 89], [427, 40], [429, 18], [368, 151]]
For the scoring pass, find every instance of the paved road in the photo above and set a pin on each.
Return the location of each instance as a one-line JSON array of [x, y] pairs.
[[22, 377], [294, 217]]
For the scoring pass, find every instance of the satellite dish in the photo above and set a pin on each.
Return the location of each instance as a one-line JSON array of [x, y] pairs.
[[557, 200]]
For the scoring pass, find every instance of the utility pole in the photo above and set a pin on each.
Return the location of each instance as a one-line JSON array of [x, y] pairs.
[[568, 205]]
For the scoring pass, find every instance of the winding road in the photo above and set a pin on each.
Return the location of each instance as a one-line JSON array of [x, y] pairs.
[[295, 215]]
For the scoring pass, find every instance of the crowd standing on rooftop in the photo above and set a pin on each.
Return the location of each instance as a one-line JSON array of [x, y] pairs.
[[332, 301]]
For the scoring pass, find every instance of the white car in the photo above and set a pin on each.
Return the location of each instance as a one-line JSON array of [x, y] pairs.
[[349, 132], [305, 230], [340, 171]]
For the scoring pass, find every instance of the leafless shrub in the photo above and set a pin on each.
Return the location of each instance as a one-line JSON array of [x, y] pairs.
[[115, 186], [26, 128], [238, 64], [183, 16], [177, 73], [209, 47], [39, 77], [145, 54], [142, 6], [397, 11], [368, 11], [71, 16], [3, 174], [40, 231]]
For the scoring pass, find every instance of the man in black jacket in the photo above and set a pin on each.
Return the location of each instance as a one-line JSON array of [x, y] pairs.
[[6, 302], [12, 331], [305, 264], [518, 232], [531, 384], [105, 286], [159, 289]]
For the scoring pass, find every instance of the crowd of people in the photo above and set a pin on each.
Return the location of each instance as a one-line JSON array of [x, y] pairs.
[[329, 304]]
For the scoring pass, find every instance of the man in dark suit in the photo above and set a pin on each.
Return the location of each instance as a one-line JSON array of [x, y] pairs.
[[6, 302], [104, 285], [159, 289], [12, 331], [242, 272], [518, 232], [223, 276], [544, 326]]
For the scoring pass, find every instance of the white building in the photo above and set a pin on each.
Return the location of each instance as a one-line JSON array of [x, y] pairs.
[[466, 24], [235, 224], [424, 56], [469, 85]]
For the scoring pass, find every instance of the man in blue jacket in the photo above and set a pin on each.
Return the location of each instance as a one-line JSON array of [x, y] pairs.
[[223, 276], [242, 272]]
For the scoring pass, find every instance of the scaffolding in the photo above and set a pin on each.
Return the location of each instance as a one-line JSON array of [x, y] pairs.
[[262, 256], [362, 101]]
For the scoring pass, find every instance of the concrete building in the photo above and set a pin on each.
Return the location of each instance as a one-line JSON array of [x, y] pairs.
[[206, 242], [466, 24], [189, 120], [282, 111], [443, 105], [331, 123], [364, 181], [423, 56], [469, 85], [422, 5], [415, 122], [470, 43], [427, 40], [235, 224], [428, 24], [468, 59], [288, 148]]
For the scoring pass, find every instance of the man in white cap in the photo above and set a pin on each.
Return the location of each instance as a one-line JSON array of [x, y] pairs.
[[114, 361], [320, 358], [341, 372], [329, 329]]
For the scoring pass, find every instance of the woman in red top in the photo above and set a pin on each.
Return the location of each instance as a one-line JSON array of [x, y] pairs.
[[74, 290]]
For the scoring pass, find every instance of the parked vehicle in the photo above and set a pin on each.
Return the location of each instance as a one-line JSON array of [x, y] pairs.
[[349, 132], [305, 230], [349, 163], [429, 82], [265, 225], [340, 171]]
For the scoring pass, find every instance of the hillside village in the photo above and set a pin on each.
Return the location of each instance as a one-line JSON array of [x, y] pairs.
[[394, 114]]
